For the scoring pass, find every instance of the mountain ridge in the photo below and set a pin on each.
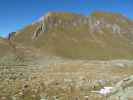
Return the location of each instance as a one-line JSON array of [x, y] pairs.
[[100, 35]]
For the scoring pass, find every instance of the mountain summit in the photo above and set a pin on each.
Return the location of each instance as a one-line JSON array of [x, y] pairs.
[[100, 35]]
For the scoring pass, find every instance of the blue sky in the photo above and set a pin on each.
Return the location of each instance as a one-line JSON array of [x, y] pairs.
[[15, 14]]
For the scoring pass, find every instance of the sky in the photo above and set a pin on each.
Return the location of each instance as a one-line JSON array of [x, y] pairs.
[[15, 14]]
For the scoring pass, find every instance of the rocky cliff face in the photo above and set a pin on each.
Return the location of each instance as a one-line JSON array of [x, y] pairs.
[[98, 36], [96, 22]]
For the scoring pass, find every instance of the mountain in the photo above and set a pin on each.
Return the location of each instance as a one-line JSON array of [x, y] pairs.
[[100, 35]]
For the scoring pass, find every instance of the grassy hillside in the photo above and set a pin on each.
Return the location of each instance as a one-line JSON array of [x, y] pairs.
[[5, 47]]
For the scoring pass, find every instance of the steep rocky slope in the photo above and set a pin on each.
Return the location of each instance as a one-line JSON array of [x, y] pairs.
[[100, 35]]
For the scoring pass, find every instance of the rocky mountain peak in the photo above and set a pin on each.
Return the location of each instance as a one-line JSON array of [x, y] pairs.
[[96, 22], [58, 15], [58, 31]]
